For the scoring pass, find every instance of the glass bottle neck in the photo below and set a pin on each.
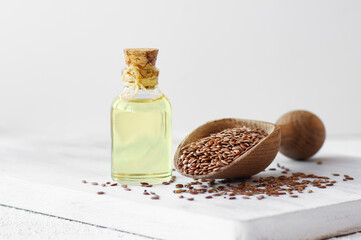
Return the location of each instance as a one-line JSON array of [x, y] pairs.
[[147, 93], [140, 83]]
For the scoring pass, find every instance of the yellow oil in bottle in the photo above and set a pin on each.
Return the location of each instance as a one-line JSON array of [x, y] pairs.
[[142, 140]]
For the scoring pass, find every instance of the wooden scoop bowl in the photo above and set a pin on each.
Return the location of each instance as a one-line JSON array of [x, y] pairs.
[[300, 135]]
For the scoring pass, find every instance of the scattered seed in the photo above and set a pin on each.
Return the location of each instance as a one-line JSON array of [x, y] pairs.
[[232, 198], [84, 181], [95, 183], [108, 183], [103, 185], [335, 174], [319, 162], [190, 199], [181, 196], [155, 197], [208, 197], [114, 184], [272, 169], [179, 185], [100, 193]]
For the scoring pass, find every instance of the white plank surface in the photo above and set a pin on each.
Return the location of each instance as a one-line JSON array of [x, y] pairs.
[[22, 224], [44, 175]]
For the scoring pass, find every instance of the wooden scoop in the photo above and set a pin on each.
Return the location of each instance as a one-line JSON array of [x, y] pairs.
[[299, 133]]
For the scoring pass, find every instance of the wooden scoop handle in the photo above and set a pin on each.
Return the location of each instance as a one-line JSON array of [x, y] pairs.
[[302, 134]]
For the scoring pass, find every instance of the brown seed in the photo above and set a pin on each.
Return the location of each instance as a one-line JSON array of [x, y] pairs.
[[155, 197], [108, 182], [294, 196], [103, 185], [319, 162], [190, 199], [100, 193], [124, 185], [246, 197], [208, 197], [146, 193], [127, 189], [232, 198], [179, 185], [272, 169], [218, 150], [335, 174], [95, 183], [114, 184], [309, 191], [84, 181], [165, 183]]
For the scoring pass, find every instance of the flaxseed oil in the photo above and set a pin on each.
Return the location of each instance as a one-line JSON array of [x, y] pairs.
[[142, 140]]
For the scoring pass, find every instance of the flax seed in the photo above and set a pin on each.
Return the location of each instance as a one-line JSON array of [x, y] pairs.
[[223, 147]]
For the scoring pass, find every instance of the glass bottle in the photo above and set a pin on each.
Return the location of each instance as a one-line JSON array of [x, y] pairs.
[[141, 123]]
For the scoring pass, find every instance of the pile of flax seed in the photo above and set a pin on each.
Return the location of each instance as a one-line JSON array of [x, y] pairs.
[[210, 154]]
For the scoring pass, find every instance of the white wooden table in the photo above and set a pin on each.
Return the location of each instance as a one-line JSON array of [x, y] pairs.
[[42, 196]]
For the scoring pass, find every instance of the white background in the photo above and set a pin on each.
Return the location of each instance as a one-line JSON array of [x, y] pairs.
[[60, 61]]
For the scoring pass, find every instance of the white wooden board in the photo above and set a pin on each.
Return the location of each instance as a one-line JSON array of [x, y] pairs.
[[44, 175]]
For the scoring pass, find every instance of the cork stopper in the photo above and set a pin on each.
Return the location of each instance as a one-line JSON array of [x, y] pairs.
[[141, 57]]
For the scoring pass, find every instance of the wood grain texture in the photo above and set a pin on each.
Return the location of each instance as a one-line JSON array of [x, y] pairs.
[[250, 163], [302, 134]]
